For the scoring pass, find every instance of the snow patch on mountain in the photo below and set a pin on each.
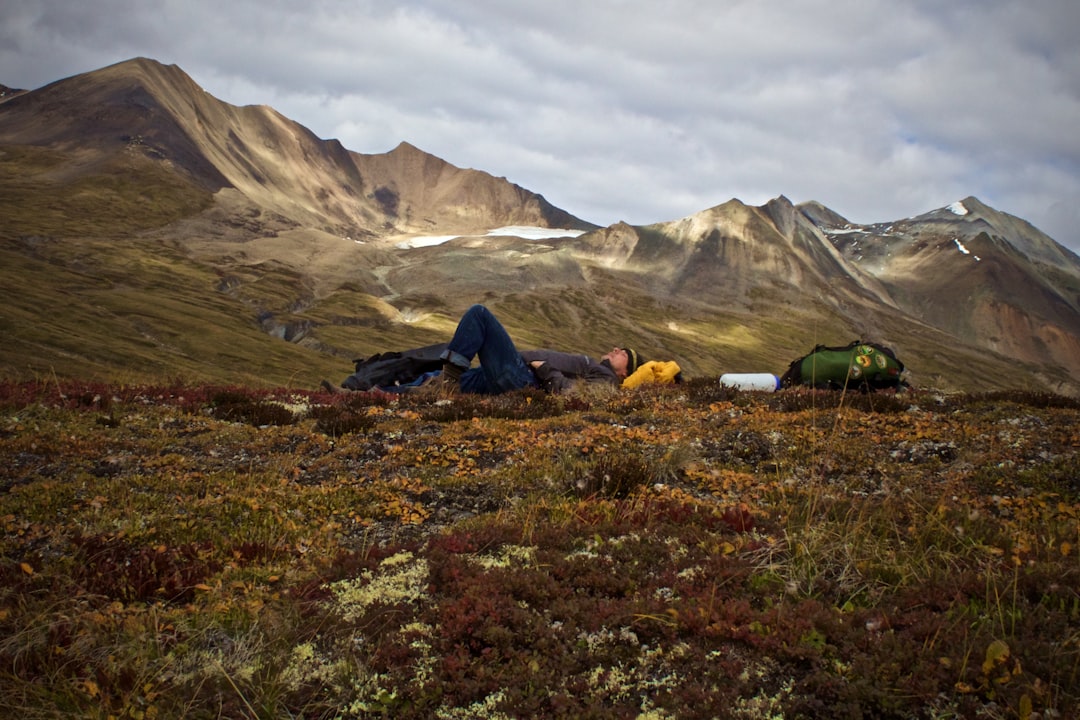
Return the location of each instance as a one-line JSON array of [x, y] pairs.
[[525, 232], [958, 208], [963, 248]]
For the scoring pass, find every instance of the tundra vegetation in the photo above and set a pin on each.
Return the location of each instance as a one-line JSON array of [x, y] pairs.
[[687, 551]]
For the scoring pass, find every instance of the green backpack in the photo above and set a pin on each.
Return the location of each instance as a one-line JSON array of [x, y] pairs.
[[864, 366]]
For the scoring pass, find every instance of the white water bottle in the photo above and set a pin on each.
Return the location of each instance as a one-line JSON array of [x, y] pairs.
[[766, 382]]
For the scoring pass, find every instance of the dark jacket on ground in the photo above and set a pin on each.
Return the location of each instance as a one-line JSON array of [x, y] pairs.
[[560, 370]]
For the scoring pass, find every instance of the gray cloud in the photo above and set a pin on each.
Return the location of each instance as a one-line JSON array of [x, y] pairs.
[[640, 111]]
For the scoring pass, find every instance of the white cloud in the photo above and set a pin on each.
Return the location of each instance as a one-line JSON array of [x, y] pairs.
[[635, 110]]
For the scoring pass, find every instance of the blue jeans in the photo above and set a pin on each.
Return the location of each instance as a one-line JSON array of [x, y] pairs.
[[480, 334]]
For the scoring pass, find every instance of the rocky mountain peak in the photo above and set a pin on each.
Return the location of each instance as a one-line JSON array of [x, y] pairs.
[[783, 214], [273, 163], [822, 216]]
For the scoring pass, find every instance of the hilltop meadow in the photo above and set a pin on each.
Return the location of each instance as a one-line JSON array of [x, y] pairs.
[[687, 551]]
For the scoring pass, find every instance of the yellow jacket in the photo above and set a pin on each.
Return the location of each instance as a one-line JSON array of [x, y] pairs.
[[654, 371]]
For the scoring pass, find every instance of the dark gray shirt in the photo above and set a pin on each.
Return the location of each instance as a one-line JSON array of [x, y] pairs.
[[560, 369]]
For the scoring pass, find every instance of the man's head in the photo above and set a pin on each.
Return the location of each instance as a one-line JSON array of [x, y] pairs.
[[623, 361]]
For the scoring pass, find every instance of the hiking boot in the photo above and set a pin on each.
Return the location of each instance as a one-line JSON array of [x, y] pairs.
[[329, 387], [446, 384]]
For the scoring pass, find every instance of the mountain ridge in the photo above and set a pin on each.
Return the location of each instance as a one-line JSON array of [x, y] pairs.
[[303, 236]]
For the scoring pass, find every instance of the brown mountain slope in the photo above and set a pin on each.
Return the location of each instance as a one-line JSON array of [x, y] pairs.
[[419, 193], [6, 93], [141, 107], [987, 278], [771, 282]]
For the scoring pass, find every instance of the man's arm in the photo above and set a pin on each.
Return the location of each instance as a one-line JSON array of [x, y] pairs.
[[557, 371], [550, 379]]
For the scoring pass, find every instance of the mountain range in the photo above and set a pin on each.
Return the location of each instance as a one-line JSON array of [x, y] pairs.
[[152, 232]]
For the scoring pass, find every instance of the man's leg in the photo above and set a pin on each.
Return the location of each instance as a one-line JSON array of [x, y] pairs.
[[480, 334]]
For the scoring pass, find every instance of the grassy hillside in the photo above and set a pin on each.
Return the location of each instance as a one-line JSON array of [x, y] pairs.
[[86, 296], [129, 311], [686, 551], [48, 192]]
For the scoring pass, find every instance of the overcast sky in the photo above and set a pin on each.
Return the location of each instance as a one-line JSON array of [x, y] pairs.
[[639, 110]]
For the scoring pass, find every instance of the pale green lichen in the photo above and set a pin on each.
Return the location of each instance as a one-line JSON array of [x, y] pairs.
[[485, 708], [650, 672], [371, 697], [763, 707], [308, 666], [690, 573], [509, 555], [399, 578], [426, 662], [299, 406]]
